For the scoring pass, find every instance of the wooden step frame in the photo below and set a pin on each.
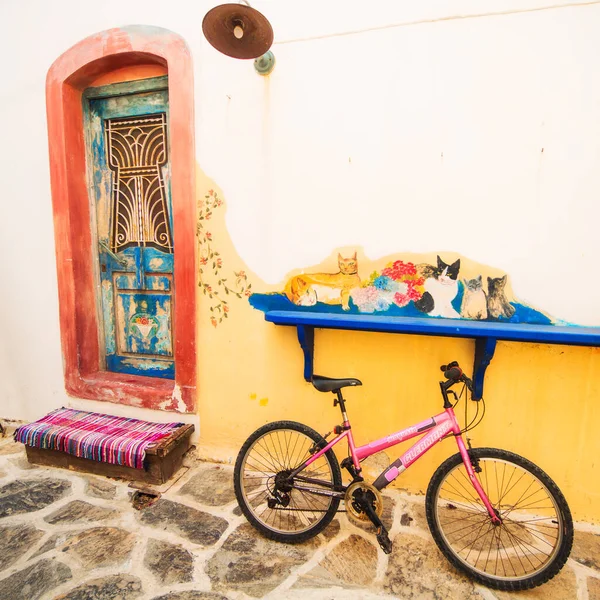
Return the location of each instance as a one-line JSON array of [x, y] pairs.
[[163, 459]]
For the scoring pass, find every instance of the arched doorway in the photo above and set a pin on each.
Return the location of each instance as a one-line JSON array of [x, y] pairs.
[[126, 275]]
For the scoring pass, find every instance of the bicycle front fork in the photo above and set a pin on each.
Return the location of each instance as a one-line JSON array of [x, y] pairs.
[[473, 468]]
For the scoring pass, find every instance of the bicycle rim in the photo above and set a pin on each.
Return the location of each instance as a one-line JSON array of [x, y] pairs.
[[531, 533], [280, 451]]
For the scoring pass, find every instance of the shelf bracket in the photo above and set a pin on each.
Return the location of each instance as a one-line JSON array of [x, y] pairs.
[[484, 352], [306, 337]]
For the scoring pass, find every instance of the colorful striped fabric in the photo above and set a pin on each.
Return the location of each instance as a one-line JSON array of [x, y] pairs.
[[99, 437]]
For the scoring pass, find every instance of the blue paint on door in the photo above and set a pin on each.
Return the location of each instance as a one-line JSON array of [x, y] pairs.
[[126, 134]]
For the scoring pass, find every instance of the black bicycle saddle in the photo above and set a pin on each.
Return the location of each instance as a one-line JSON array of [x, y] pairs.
[[328, 384]]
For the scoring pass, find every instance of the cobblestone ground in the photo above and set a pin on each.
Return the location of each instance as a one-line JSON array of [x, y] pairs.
[[65, 536]]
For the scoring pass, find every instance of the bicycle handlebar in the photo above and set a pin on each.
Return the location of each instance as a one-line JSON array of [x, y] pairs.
[[453, 373]]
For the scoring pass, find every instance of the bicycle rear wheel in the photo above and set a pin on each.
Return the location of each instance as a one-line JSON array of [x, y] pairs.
[[533, 541], [270, 501]]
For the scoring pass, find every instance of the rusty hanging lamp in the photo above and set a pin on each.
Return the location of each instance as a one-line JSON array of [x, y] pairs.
[[238, 30]]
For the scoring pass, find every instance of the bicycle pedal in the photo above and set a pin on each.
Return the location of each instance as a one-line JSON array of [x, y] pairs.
[[384, 540]]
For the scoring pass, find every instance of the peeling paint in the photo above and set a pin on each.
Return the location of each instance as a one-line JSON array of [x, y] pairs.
[[177, 396], [165, 404], [107, 312], [142, 365]]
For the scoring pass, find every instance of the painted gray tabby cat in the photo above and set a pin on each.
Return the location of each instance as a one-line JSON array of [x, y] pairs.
[[497, 302]]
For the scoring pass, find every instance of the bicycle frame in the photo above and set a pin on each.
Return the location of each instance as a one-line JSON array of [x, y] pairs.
[[438, 426]]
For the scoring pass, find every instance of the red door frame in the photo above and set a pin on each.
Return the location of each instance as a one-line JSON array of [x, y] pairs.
[[68, 77]]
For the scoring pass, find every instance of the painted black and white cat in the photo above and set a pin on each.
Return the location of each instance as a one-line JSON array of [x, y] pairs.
[[441, 287]]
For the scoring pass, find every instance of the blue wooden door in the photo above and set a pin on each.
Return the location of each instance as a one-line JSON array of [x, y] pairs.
[[128, 170]]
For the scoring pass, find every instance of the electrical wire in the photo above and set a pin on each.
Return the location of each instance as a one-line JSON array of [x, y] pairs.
[[435, 20]]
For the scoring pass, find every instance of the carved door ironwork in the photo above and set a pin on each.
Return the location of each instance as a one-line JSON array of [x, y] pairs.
[[128, 170], [137, 149]]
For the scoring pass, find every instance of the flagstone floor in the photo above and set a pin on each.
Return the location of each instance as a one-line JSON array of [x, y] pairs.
[[66, 536]]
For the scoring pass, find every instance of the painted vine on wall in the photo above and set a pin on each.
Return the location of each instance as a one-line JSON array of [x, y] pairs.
[[218, 288], [403, 288]]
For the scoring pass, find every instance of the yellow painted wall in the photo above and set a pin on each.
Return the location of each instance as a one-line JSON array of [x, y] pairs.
[[454, 131], [541, 400]]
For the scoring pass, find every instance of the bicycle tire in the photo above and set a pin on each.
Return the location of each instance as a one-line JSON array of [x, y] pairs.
[[530, 530], [256, 466]]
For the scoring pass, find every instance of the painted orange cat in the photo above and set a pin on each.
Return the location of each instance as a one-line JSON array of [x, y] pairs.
[[331, 288]]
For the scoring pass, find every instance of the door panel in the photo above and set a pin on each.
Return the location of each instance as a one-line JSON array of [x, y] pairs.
[[128, 159], [143, 322]]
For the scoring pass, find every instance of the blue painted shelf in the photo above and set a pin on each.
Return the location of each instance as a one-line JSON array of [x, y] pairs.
[[485, 333]]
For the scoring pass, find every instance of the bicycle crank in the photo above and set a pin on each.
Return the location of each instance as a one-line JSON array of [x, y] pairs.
[[353, 501], [364, 503]]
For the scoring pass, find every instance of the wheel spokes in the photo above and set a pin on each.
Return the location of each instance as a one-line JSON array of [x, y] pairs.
[[277, 452], [525, 541]]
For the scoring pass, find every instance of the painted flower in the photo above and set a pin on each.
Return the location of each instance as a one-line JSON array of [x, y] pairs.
[[370, 299], [382, 282], [207, 254], [401, 299], [398, 283], [415, 292], [384, 300], [362, 298], [399, 270]]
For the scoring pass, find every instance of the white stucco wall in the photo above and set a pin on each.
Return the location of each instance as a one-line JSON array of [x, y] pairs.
[[419, 137]]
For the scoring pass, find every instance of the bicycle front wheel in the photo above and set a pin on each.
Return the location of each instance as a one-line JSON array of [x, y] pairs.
[[533, 541], [282, 509]]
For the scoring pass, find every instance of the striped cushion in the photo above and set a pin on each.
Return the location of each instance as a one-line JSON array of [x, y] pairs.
[[95, 436]]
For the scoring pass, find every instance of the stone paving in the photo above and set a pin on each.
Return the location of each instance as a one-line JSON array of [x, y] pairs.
[[67, 536]]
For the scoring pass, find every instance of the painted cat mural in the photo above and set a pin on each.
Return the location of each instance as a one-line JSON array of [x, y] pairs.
[[441, 287], [330, 288], [474, 302], [431, 289], [497, 303]]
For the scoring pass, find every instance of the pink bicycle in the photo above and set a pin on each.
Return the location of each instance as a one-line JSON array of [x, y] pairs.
[[494, 514]]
